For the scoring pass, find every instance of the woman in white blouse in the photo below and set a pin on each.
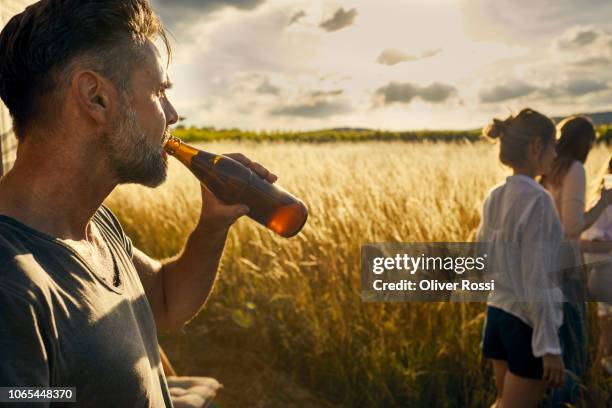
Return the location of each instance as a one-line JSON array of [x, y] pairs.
[[522, 229], [567, 183]]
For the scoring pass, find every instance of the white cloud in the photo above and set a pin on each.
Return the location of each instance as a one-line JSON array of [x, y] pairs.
[[396, 92], [504, 92], [179, 13], [519, 21], [583, 86], [266, 87], [578, 37], [583, 46], [391, 56], [341, 19], [297, 16], [313, 109]]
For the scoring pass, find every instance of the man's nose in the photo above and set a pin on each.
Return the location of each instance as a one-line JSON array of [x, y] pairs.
[[171, 114]]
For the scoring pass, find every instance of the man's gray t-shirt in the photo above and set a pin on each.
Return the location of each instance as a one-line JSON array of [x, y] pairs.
[[62, 325]]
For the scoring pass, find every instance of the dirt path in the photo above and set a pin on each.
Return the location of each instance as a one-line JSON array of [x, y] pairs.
[[248, 380]]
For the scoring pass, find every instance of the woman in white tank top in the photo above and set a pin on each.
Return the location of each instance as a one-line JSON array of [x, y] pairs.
[[567, 184]]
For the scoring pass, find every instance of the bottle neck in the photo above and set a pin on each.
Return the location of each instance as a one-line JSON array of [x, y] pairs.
[[182, 151]]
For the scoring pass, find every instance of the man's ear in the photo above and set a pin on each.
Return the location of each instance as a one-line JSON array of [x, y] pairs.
[[91, 94]]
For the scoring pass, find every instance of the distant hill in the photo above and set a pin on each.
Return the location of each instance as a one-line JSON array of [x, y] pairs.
[[598, 118], [348, 129]]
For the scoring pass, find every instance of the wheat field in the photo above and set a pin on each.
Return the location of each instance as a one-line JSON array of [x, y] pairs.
[[285, 325]]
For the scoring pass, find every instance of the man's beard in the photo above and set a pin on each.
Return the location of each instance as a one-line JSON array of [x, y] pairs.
[[132, 156]]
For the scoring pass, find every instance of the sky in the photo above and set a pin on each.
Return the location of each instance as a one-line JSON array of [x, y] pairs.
[[385, 64]]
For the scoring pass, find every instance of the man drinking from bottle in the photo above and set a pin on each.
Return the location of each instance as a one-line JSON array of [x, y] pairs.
[[79, 305]]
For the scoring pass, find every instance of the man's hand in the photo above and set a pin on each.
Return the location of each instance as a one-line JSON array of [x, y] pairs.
[[216, 216], [260, 170], [553, 370]]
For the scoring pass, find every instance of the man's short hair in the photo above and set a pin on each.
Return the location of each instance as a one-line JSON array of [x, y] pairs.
[[40, 47]]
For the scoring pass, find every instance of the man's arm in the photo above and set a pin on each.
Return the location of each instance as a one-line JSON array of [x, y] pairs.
[[23, 353], [177, 289]]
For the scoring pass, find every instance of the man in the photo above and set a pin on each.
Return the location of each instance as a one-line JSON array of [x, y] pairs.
[[79, 306]]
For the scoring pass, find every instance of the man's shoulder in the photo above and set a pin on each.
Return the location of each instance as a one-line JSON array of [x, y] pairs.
[[14, 243], [21, 269], [20, 272], [109, 222]]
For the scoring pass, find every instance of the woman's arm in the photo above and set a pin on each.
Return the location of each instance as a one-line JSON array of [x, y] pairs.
[[541, 238], [595, 212], [575, 220], [573, 192], [596, 247]]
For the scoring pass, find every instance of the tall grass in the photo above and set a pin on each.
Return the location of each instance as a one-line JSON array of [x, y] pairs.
[[296, 303]]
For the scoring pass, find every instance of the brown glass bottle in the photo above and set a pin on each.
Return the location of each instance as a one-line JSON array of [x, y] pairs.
[[234, 183]]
